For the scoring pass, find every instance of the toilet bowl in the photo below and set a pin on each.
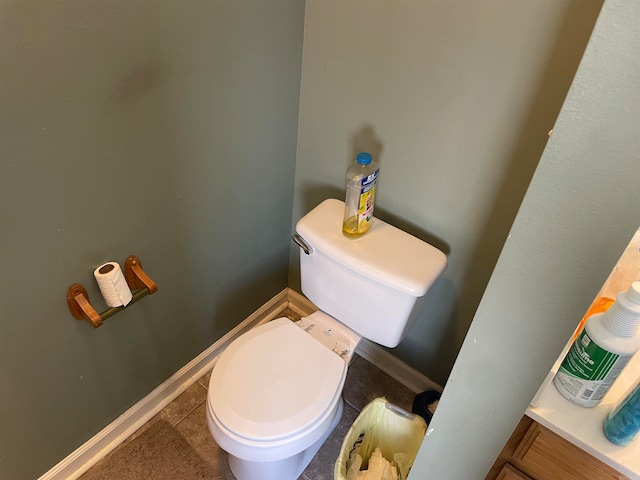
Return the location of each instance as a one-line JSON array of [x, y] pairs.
[[275, 395], [275, 392]]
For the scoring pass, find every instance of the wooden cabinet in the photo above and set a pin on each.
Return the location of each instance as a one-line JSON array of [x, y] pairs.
[[509, 472], [536, 453]]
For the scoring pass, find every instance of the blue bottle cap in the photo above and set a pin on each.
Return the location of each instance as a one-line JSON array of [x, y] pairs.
[[364, 158]]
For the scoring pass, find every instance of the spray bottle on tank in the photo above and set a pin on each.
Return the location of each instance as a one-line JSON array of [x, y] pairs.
[[605, 345]]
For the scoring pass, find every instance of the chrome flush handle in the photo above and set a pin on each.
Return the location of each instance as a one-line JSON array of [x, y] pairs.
[[301, 243]]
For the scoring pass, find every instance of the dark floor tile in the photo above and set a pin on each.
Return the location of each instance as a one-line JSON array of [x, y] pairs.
[[366, 382], [195, 431], [159, 453], [184, 404], [321, 467]]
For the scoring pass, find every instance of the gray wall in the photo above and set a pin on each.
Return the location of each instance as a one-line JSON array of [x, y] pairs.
[[159, 128], [455, 99], [578, 214]]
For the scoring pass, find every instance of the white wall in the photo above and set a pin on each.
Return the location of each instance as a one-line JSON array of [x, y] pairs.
[[455, 99], [580, 211]]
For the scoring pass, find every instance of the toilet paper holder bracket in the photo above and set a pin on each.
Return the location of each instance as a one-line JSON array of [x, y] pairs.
[[138, 281]]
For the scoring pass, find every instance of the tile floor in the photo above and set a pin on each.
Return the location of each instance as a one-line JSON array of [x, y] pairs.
[[176, 443]]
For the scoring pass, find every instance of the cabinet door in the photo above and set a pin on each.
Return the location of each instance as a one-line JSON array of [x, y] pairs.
[[547, 456], [509, 472]]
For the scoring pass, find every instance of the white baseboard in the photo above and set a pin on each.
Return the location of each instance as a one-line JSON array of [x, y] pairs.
[[100, 445], [96, 448]]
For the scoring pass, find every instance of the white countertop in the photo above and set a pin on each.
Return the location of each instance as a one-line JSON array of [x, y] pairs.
[[583, 426]]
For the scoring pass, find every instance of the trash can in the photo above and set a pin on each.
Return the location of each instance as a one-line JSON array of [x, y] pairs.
[[381, 444]]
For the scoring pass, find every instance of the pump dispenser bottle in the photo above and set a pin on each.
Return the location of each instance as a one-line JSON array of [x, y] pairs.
[[602, 349]]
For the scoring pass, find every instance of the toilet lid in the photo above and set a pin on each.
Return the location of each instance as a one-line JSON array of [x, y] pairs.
[[274, 381]]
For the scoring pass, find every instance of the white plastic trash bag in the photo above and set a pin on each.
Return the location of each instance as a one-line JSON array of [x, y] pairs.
[[381, 444], [379, 468]]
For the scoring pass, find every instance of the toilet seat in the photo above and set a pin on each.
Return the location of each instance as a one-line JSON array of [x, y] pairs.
[[274, 382]]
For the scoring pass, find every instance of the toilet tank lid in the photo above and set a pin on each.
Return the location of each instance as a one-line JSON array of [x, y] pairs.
[[384, 254]]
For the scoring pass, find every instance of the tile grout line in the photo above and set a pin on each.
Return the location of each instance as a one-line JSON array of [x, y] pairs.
[[347, 402], [190, 412]]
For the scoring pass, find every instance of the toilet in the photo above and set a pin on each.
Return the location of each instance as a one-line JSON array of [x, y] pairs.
[[275, 393]]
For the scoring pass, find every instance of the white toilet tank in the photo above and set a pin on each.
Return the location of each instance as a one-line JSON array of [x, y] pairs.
[[372, 284]]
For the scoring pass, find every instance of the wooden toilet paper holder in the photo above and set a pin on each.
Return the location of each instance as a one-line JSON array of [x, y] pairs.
[[138, 281]]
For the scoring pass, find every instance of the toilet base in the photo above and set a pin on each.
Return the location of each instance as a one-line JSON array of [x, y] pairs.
[[286, 469]]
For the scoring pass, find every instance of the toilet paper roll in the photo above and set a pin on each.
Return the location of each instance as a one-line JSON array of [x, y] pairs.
[[113, 286]]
